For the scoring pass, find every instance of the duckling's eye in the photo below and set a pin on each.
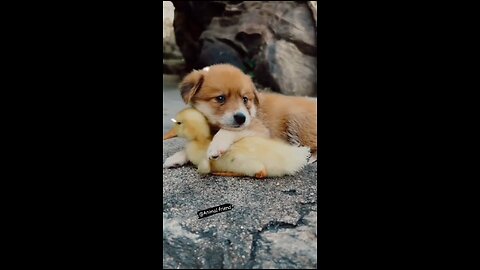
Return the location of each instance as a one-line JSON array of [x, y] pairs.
[[220, 99], [179, 123], [245, 100]]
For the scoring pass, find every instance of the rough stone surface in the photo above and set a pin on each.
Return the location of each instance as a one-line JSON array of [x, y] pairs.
[[281, 62], [276, 245], [273, 223], [168, 11], [313, 8], [250, 34]]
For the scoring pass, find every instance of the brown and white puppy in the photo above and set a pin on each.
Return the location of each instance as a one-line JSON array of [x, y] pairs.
[[232, 105]]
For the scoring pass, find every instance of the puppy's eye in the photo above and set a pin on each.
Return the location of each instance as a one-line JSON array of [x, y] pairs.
[[245, 100], [220, 99]]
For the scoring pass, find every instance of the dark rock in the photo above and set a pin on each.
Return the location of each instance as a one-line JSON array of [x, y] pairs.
[[215, 51], [274, 42]]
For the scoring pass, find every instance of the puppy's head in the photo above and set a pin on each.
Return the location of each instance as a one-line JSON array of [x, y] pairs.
[[223, 93]]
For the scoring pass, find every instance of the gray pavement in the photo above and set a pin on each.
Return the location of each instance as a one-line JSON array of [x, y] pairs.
[[273, 223]]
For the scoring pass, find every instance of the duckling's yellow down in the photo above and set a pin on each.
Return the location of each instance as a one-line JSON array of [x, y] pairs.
[[248, 156]]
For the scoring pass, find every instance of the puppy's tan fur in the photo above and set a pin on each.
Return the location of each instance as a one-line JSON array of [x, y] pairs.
[[293, 119]]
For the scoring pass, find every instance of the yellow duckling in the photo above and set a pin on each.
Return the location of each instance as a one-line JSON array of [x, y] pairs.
[[251, 156]]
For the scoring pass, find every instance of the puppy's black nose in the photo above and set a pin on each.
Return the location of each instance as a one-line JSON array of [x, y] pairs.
[[239, 118]]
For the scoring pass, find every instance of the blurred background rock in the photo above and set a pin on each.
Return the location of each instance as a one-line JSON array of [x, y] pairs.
[[173, 62], [272, 41]]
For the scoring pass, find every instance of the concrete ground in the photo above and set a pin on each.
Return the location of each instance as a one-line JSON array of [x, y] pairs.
[[273, 223]]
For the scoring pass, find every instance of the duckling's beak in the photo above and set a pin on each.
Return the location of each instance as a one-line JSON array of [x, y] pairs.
[[170, 134]]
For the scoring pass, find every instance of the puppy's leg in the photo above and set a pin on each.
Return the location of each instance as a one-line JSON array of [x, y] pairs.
[[177, 159], [301, 131], [221, 142]]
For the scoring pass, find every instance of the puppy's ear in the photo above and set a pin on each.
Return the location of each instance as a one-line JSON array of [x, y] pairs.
[[255, 100], [255, 93], [190, 85]]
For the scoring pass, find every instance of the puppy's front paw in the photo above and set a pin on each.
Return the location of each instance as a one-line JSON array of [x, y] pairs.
[[216, 150], [214, 154]]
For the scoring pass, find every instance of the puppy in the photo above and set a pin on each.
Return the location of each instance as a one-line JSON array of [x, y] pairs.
[[234, 108]]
